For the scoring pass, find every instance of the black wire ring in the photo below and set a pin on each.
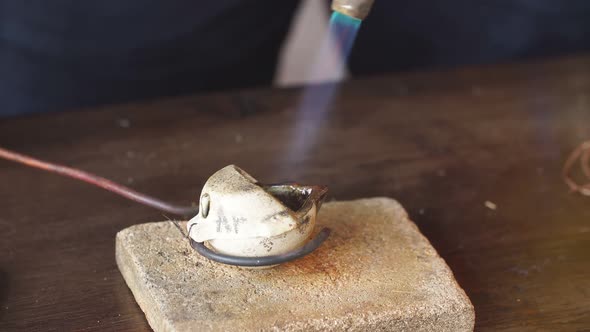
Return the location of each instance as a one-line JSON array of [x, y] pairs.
[[262, 261]]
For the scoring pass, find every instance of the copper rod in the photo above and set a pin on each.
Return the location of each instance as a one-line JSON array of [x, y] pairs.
[[582, 152], [99, 182]]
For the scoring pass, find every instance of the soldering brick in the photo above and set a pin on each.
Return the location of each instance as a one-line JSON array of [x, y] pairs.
[[375, 272]]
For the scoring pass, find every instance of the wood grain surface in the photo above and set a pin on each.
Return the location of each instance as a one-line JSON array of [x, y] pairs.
[[442, 143]]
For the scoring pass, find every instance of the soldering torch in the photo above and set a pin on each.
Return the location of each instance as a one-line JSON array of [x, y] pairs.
[[358, 9]]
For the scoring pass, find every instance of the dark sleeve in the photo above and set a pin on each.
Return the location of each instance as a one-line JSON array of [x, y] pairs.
[[405, 35], [64, 54]]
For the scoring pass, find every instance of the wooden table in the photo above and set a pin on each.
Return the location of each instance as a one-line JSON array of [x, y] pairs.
[[442, 143]]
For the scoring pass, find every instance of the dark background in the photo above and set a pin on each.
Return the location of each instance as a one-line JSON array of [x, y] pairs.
[[65, 54]]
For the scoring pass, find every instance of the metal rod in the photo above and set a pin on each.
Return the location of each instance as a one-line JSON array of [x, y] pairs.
[[100, 182]]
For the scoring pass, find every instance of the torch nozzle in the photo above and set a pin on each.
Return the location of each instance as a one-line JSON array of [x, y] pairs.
[[358, 9]]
